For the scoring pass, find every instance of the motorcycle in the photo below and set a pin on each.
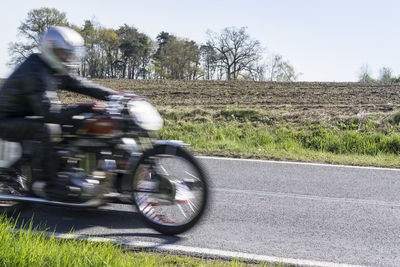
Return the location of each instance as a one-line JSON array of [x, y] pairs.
[[113, 156]]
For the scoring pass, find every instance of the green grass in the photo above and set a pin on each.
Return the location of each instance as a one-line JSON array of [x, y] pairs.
[[256, 134], [330, 133], [372, 139], [32, 248]]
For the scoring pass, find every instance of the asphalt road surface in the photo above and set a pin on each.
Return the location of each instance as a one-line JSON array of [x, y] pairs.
[[301, 213]]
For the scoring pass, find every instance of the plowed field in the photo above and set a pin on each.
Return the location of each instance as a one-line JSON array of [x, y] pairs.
[[294, 102], [300, 96]]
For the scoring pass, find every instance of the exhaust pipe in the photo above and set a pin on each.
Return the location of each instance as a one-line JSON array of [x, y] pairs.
[[88, 204]]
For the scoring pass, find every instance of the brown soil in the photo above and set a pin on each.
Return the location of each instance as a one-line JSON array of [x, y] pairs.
[[296, 101], [348, 97]]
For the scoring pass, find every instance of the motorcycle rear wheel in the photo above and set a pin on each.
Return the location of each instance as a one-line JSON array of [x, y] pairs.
[[14, 182], [170, 189]]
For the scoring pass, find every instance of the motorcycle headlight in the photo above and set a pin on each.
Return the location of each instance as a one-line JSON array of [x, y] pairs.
[[145, 115]]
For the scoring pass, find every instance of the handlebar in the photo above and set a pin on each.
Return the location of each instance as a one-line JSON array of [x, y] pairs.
[[113, 105]]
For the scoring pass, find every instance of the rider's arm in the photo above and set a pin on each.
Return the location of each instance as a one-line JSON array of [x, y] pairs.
[[39, 98], [83, 86]]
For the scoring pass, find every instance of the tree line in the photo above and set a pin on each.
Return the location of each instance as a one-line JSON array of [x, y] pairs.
[[385, 75], [230, 54]]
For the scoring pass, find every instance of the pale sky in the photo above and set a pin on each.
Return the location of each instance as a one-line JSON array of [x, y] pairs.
[[325, 40]]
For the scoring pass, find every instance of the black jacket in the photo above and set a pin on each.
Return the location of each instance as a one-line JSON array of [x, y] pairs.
[[31, 91]]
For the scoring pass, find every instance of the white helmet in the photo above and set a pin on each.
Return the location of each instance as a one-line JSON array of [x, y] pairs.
[[62, 48]]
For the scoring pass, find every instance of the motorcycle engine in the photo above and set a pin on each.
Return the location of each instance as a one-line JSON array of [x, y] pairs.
[[88, 174]]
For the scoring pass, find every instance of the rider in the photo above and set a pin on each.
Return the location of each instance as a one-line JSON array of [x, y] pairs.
[[30, 91]]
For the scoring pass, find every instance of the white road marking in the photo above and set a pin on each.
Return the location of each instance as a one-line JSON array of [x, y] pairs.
[[212, 253], [309, 197], [300, 163]]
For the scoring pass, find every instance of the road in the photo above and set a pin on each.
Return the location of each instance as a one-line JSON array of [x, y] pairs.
[[302, 213]]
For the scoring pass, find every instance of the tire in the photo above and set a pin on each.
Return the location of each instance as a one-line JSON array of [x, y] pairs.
[[162, 204]]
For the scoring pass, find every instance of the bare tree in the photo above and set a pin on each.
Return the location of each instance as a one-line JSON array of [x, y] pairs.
[[385, 75], [280, 70], [37, 21], [256, 72], [235, 49], [365, 75]]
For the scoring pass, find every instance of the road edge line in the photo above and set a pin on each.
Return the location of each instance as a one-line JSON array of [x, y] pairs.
[[299, 163], [193, 251]]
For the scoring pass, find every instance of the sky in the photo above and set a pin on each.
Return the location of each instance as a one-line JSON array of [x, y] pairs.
[[325, 40]]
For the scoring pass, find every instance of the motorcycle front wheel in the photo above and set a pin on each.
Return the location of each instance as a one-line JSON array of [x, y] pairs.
[[170, 189]]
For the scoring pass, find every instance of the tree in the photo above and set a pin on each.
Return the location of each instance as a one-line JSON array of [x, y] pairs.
[[37, 22], [385, 75], [162, 40], [109, 42], [256, 72], [235, 49], [136, 51], [365, 75], [91, 65], [177, 59], [159, 56], [102, 51], [280, 70], [209, 61]]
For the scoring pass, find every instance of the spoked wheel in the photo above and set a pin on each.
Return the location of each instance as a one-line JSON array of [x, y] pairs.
[[170, 189], [16, 183]]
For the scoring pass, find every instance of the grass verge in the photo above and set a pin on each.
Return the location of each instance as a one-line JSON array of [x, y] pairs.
[[321, 131], [32, 248], [251, 134]]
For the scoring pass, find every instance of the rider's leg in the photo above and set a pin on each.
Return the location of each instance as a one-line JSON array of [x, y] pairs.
[[22, 129]]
